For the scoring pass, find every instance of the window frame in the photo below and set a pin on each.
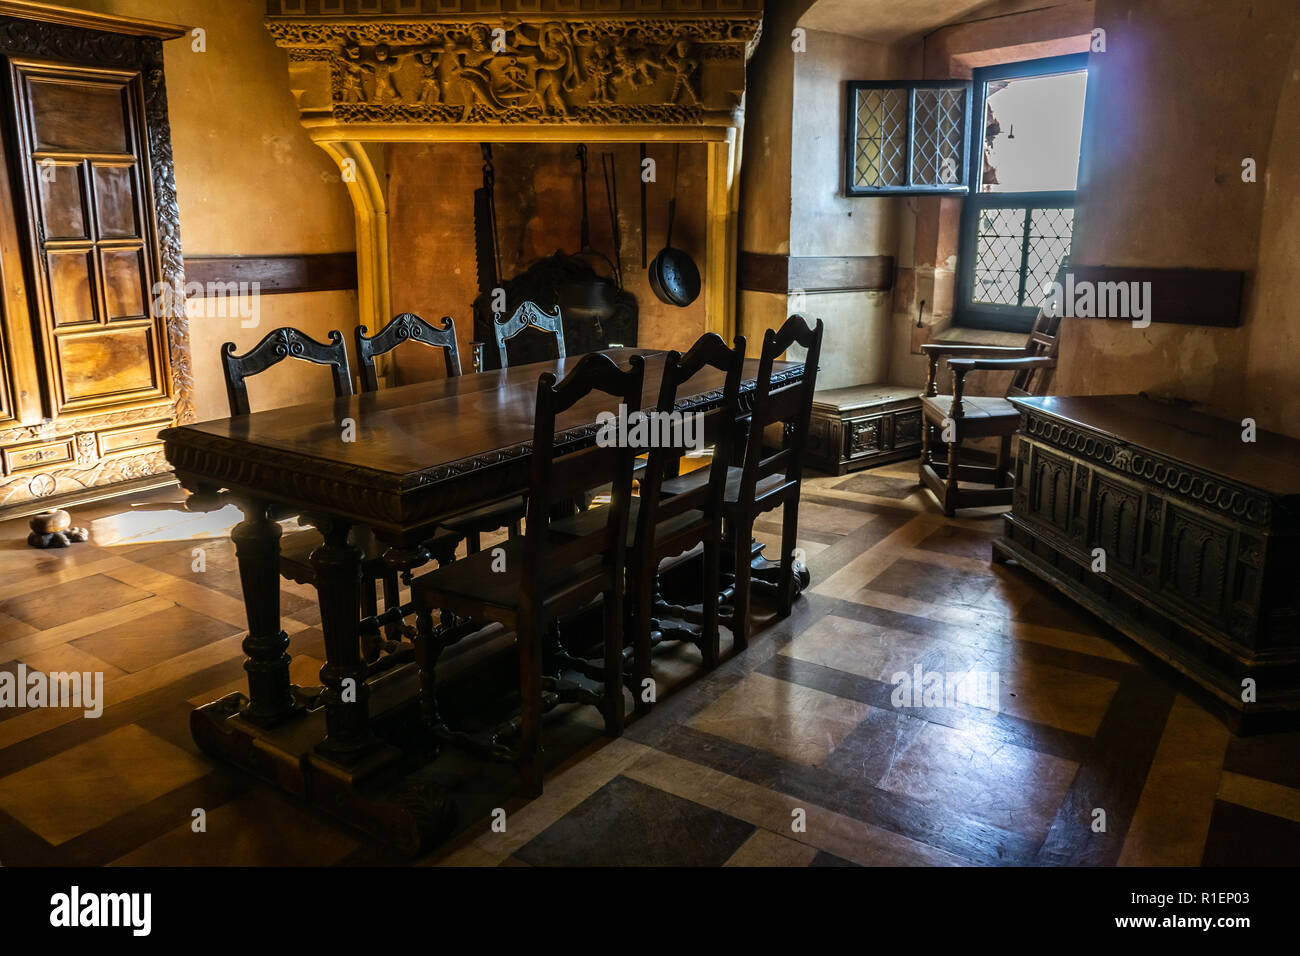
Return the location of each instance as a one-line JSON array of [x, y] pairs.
[[1004, 318], [852, 190]]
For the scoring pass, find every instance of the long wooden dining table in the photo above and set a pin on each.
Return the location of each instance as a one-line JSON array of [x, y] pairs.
[[396, 461]]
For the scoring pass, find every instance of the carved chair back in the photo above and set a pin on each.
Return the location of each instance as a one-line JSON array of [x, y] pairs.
[[710, 351], [1044, 341], [278, 345], [407, 327], [555, 480], [790, 404], [528, 316]]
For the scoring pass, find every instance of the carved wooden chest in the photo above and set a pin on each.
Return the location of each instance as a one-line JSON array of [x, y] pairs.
[[863, 425], [1176, 530]]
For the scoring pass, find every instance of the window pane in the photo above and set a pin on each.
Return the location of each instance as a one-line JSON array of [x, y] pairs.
[[997, 249], [1032, 131], [1050, 232], [940, 124], [881, 137]]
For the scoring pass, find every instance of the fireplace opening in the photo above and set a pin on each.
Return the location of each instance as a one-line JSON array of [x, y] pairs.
[[476, 230]]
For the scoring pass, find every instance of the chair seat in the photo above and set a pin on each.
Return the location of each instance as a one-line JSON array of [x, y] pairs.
[[984, 408], [472, 580], [592, 520], [700, 477], [498, 514]]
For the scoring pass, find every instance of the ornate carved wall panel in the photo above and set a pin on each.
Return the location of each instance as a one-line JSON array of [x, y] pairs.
[[661, 64]]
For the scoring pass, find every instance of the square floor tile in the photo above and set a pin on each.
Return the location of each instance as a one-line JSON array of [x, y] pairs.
[[626, 823], [141, 643], [77, 790], [259, 829], [963, 773], [875, 652], [940, 584], [792, 721], [60, 603], [880, 485]]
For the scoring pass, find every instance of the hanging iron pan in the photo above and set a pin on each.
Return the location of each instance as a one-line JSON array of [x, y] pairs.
[[674, 277], [591, 296]]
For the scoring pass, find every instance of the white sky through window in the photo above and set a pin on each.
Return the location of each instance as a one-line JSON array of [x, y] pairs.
[[1041, 124]]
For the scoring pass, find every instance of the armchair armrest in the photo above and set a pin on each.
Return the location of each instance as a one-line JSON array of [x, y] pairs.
[[934, 351], [947, 348], [999, 365], [960, 366]]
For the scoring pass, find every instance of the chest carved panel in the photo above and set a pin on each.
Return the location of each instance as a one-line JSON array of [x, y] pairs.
[[1200, 551]]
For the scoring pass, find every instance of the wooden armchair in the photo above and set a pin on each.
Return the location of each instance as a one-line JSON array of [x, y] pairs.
[[956, 417]]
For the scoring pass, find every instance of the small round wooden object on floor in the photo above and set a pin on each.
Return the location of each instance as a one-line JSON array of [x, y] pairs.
[[53, 529]]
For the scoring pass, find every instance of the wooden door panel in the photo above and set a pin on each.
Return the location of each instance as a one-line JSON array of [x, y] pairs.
[[63, 200], [72, 293], [78, 115], [125, 294], [117, 201], [117, 364]]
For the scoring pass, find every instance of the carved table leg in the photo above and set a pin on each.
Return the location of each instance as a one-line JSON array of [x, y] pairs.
[[337, 563], [257, 548]]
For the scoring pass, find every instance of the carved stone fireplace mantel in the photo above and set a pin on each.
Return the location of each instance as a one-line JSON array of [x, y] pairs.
[[366, 73]]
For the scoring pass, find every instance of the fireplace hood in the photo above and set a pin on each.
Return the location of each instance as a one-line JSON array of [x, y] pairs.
[[366, 73]]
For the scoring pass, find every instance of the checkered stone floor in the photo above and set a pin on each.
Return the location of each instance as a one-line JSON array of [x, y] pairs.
[[798, 752]]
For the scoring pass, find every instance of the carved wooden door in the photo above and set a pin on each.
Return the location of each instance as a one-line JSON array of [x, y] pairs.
[[94, 359], [80, 151]]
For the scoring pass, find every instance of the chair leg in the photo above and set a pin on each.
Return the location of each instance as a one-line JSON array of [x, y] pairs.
[[530, 701], [392, 599], [614, 662], [473, 542], [427, 653], [1004, 463], [642, 616], [926, 453], [950, 491], [740, 599], [712, 585], [369, 608], [789, 540]]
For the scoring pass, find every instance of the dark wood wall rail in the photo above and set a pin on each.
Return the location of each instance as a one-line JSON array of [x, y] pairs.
[[768, 272], [276, 274], [1178, 296]]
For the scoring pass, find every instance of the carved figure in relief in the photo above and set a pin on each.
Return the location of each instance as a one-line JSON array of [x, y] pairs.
[[354, 73], [683, 65], [554, 65], [599, 66], [636, 64], [430, 89], [464, 66], [384, 66]]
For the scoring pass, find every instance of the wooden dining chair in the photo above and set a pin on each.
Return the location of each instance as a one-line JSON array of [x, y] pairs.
[[469, 526], [765, 479], [529, 315], [296, 548], [531, 581], [953, 419], [665, 527]]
